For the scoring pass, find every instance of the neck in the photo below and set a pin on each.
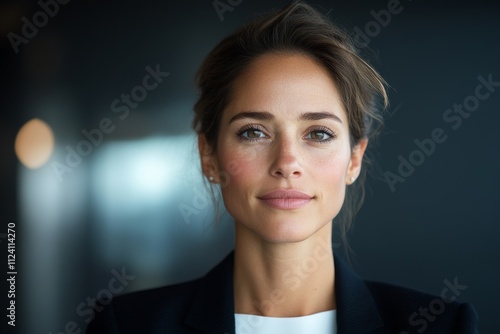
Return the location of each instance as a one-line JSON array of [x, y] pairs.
[[283, 279]]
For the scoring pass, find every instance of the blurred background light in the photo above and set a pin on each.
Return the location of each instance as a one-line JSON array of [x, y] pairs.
[[34, 143], [138, 190], [140, 172]]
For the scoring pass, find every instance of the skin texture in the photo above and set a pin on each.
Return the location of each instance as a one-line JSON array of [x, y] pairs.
[[283, 265]]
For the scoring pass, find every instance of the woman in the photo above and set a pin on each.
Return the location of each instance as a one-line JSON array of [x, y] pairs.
[[286, 111]]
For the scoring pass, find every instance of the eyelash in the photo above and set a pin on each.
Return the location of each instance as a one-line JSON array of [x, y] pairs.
[[332, 135]]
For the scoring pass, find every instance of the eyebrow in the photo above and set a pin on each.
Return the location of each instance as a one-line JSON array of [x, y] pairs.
[[267, 116]]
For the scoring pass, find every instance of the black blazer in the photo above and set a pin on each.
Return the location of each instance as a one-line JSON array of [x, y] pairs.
[[205, 305]]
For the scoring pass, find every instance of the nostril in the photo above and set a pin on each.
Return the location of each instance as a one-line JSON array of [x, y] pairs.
[[285, 173]]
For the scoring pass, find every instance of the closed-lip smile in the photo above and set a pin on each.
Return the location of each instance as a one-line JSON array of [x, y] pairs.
[[286, 199]]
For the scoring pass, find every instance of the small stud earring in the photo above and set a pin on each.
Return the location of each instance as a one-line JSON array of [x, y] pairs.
[[211, 178], [353, 179]]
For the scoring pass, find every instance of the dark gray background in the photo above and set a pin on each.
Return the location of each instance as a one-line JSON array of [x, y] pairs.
[[440, 224]]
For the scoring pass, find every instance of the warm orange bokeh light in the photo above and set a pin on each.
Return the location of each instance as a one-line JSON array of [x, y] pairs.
[[34, 143]]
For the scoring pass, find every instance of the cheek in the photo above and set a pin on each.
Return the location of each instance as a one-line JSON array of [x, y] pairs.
[[330, 181], [240, 166], [333, 168], [330, 172]]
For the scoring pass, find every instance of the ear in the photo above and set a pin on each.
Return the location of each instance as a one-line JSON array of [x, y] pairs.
[[208, 158], [356, 161]]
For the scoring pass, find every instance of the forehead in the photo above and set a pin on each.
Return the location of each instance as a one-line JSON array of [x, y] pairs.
[[285, 84]]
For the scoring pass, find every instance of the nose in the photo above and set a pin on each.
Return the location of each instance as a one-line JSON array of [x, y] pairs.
[[286, 159]]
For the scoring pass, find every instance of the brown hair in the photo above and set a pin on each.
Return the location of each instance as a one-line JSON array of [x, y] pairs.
[[297, 28]]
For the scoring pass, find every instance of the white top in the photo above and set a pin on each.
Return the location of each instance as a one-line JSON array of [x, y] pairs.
[[318, 323]]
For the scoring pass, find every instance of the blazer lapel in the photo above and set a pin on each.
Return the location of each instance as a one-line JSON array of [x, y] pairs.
[[357, 311], [212, 309]]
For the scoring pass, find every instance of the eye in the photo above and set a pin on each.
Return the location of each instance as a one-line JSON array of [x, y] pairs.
[[322, 135], [319, 135], [250, 133]]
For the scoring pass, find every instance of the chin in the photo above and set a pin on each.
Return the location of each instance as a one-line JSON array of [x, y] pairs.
[[287, 231]]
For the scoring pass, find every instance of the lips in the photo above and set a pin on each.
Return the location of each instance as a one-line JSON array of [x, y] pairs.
[[286, 199]]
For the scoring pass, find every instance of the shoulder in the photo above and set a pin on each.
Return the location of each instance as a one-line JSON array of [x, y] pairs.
[[206, 303], [145, 311], [411, 311], [398, 309]]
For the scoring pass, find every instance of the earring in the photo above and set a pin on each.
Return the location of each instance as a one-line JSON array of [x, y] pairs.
[[211, 178], [353, 179]]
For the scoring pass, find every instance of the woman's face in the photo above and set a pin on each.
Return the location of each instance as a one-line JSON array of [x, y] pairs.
[[284, 150]]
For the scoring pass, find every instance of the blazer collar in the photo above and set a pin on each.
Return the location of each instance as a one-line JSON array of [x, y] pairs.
[[357, 311], [212, 309]]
